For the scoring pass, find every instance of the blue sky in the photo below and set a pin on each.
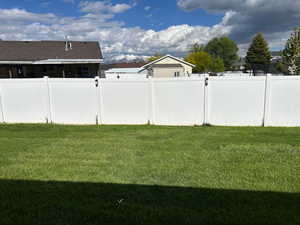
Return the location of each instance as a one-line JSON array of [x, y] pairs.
[[147, 14], [134, 29], [157, 16]]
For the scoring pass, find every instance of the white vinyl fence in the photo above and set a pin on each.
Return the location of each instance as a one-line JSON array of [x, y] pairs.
[[124, 101], [236, 101], [224, 101], [283, 101], [73, 101], [24, 101], [177, 102]]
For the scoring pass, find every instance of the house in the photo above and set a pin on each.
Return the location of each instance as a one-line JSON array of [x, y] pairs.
[[239, 65], [33, 59], [125, 73], [122, 65], [276, 56], [123, 70], [168, 66]]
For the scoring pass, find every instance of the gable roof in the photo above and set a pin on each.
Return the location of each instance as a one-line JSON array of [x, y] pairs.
[[168, 56], [48, 50]]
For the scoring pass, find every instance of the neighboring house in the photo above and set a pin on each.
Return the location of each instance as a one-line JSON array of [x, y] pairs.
[[123, 70], [125, 73], [239, 65], [121, 65], [168, 66], [276, 56], [32, 59]]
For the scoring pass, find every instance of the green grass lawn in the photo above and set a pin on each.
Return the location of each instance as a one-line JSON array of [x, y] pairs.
[[140, 175]]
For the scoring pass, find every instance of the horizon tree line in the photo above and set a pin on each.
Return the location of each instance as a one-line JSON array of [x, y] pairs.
[[220, 54]]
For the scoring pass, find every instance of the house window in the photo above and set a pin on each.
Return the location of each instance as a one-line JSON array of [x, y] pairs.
[[177, 74]]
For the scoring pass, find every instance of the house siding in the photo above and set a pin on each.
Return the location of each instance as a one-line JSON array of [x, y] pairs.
[[186, 68], [167, 72]]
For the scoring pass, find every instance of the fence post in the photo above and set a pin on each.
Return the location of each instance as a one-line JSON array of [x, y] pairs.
[[2, 120], [266, 99], [206, 81], [48, 99], [98, 103], [151, 105]]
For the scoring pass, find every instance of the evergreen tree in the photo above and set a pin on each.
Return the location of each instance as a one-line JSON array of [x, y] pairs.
[[258, 55], [291, 53]]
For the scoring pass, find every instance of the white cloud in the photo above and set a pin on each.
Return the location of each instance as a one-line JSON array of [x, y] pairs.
[[21, 15], [119, 42], [124, 57], [103, 6], [69, 1], [274, 18], [147, 8]]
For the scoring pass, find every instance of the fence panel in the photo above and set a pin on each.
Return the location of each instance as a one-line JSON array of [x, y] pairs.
[[124, 101], [284, 103], [24, 100], [236, 101], [1, 107], [178, 101], [73, 101]]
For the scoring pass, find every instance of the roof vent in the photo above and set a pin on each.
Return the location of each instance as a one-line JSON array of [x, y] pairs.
[[68, 44]]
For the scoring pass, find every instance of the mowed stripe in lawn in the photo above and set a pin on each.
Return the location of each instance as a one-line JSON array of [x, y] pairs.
[[218, 157], [134, 175]]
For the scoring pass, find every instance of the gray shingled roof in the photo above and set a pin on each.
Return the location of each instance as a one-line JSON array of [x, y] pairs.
[[43, 50]]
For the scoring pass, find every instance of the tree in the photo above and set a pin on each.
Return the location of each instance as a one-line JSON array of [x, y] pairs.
[[258, 55], [291, 53], [204, 62], [155, 57], [277, 67], [197, 48], [223, 48], [217, 65]]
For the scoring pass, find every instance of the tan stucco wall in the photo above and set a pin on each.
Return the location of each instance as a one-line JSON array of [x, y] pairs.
[[167, 72], [187, 69]]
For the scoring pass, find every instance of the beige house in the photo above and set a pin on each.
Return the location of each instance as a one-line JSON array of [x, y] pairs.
[[169, 66]]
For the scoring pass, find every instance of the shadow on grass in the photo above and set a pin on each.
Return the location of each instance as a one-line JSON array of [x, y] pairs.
[[57, 203]]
